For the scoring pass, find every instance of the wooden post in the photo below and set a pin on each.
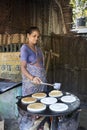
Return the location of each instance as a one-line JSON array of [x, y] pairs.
[[50, 55]]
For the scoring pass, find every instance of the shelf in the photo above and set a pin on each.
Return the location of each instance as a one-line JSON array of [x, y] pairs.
[[80, 30]]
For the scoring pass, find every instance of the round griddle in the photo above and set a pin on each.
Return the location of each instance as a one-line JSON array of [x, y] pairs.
[[47, 112]]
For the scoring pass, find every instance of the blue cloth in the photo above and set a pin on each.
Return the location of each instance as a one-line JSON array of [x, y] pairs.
[[32, 58], [28, 55], [28, 87]]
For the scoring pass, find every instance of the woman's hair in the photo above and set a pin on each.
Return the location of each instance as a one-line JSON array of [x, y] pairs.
[[31, 29]]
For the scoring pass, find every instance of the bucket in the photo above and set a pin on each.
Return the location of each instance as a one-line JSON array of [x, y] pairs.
[[81, 22], [1, 123]]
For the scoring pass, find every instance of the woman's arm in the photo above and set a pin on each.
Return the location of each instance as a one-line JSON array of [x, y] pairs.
[[24, 70], [35, 80]]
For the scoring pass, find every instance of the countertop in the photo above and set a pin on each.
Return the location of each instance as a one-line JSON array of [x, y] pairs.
[[6, 84]]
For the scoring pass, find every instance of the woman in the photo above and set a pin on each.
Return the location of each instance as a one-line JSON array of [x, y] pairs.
[[33, 72], [32, 66]]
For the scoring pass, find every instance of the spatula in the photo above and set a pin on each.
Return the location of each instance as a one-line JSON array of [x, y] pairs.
[[55, 85]]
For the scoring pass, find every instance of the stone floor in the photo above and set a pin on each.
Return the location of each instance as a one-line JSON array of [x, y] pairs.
[[11, 124]]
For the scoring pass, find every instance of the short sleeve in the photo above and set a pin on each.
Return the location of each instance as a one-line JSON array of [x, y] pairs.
[[23, 53]]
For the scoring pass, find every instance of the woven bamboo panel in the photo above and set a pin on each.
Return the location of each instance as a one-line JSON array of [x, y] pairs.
[[22, 38], [9, 39], [0, 39], [71, 67], [4, 38], [15, 38]]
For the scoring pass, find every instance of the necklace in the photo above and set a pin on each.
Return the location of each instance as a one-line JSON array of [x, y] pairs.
[[32, 48]]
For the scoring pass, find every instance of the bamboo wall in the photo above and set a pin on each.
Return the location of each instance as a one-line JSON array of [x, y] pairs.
[[70, 68], [16, 16]]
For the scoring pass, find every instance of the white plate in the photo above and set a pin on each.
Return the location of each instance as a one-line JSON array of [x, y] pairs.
[[49, 100], [36, 107], [58, 107], [68, 99]]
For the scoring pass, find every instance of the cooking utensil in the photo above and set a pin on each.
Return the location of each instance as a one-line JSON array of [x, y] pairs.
[[42, 83], [47, 84], [55, 85]]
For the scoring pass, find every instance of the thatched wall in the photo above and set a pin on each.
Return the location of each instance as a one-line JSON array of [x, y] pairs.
[[70, 68], [49, 15]]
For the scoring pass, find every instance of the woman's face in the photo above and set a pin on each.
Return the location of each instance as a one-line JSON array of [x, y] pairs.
[[34, 37]]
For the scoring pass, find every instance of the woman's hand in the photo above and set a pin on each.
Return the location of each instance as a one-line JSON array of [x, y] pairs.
[[36, 80]]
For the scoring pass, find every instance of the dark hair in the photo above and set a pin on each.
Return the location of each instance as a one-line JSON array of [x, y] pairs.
[[31, 29]]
